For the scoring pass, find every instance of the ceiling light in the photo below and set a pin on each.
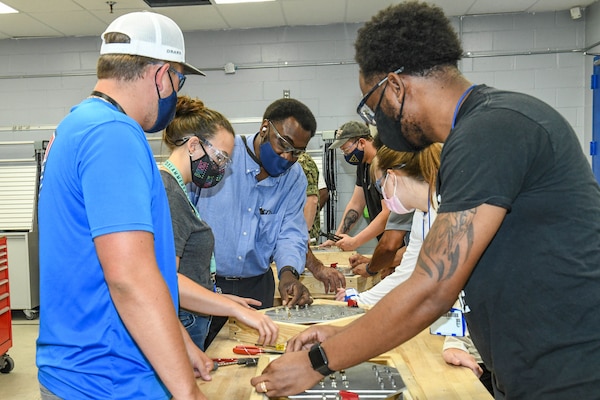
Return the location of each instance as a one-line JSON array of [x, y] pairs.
[[4, 9], [238, 1], [176, 3]]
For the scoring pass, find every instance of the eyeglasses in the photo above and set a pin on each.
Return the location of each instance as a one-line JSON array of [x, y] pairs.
[[347, 150], [180, 76], [379, 186], [285, 145], [219, 157], [363, 109]]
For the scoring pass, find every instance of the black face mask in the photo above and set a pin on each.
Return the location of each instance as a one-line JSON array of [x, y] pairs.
[[205, 172], [390, 130]]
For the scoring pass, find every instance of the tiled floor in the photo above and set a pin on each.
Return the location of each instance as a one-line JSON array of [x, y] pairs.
[[21, 383]]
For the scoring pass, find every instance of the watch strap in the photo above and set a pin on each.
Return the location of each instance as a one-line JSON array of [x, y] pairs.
[[291, 269], [318, 360]]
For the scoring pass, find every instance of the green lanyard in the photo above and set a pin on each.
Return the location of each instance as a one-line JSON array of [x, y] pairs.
[[177, 175]]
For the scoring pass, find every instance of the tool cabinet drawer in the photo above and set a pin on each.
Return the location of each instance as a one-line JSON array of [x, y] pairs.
[[3, 272], [4, 301], [5, 325]]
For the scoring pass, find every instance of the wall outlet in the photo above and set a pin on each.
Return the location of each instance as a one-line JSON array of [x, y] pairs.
[[286, 93]]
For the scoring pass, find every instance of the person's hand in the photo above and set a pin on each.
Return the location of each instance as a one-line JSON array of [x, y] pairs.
[[201, 363], [308, 337], [332, 278], [347, 243], [244, 301], [361, 269], [341, 294], [356, 259], [327, 243], [460, 357], [386, 272], [290, 374], [289, 286], [267, 329]]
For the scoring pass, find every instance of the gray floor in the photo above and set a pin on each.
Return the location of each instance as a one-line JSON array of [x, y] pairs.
[[21, 383]]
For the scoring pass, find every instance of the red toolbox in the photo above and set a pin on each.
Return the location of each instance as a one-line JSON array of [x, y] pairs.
[[6, 363]]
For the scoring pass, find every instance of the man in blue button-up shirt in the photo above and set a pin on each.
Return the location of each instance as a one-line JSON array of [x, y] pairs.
[[257, 212]]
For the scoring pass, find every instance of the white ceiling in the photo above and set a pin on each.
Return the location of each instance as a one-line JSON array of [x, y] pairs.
[[60, 18]]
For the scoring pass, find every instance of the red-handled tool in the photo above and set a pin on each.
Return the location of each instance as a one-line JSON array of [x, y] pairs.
[[254, 350], [247, 362]]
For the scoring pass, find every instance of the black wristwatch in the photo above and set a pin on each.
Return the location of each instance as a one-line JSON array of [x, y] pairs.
[[318, 360], [291, 269]]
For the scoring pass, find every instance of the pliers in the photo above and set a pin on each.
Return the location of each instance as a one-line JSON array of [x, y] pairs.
[[331, 236], [246, 362]]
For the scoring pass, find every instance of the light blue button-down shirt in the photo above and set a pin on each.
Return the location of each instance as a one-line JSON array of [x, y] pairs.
[[255, 222]]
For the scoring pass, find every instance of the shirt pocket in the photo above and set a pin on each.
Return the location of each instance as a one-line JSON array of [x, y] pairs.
[[269, 226]]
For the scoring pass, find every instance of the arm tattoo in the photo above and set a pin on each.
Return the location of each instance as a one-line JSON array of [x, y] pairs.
[[349, 220], [448, 244]]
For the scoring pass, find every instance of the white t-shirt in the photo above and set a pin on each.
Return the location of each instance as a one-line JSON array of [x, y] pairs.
[[420, 227]]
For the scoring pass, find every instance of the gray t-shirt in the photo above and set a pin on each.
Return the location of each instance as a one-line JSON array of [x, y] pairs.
[[399, 222], [194, 240]]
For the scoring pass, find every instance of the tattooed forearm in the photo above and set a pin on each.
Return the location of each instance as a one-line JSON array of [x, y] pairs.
[[448, 244], [349, 220]]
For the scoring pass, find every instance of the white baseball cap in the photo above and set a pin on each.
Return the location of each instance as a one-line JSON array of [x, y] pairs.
[[152, 35]]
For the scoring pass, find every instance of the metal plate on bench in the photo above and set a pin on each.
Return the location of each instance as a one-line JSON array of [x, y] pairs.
[[369, 380], [312, 314]]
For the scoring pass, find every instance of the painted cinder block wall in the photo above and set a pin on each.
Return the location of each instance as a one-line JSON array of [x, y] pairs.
[[540, 54]]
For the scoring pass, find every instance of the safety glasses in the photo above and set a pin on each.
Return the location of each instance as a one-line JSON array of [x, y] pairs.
[[363, 109]]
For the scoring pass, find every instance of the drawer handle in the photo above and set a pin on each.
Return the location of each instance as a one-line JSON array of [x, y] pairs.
[[4, 310], [3, 296]]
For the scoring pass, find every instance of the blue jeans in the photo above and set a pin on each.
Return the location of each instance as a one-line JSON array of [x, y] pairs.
[[196, 325], [48, 395]]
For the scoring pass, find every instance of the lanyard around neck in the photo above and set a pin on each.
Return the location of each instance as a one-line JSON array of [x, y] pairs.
[[462, 97], [108, 99], [177, 175]]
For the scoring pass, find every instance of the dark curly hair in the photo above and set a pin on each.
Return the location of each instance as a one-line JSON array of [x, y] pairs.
[[282, 109], [413, 35]]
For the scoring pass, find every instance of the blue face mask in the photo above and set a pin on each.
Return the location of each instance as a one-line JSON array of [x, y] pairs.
[[272, 162], [166, 109], [355, 157]]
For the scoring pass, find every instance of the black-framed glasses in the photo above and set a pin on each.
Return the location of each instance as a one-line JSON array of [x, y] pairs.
[[379, 185], [285, 145], [363, 109]]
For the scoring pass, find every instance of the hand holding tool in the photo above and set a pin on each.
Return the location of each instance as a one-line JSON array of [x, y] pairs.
[[331, 236], [253, 350]]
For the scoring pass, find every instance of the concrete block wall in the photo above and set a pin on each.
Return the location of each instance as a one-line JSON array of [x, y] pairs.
[[40, 79]]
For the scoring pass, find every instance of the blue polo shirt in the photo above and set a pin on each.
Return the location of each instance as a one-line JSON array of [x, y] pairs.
[[100, 177]]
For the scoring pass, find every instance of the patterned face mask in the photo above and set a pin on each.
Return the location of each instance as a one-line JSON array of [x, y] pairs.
[[205, 172]]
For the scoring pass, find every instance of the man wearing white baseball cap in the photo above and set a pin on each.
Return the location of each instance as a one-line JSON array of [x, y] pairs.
[[108, 279]]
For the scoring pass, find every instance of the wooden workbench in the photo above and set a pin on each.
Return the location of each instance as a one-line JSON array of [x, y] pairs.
[[329, 257], [419, 362]]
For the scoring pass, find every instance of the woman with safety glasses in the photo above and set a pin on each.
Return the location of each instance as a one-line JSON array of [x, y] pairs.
[[407, 183], [201, 142]]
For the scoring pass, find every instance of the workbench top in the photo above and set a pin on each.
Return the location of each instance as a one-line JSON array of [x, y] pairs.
[[419, 362]]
